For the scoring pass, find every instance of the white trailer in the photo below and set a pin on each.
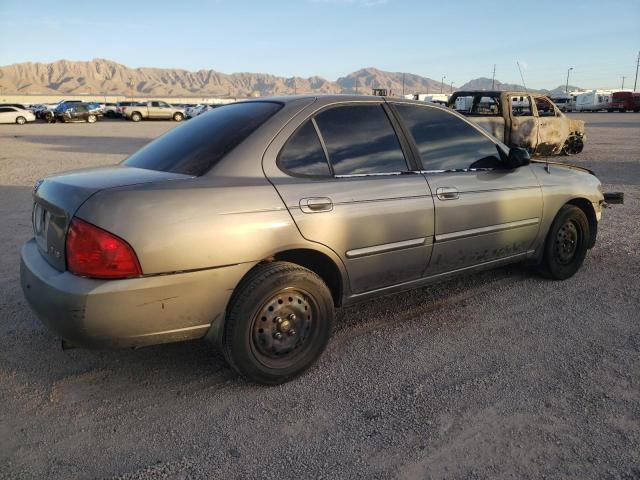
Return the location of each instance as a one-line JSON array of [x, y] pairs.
[[593, 101], [441, 98]]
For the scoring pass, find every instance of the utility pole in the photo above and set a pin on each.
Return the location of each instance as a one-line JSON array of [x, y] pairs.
[[442, 83], [622, 87], [566, 87], [493, 77], [635, 83]]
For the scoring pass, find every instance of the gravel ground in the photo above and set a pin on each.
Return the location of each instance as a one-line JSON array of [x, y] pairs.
[[495, 375]]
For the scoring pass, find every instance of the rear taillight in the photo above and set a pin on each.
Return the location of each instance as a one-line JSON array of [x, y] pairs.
[[94, 252]]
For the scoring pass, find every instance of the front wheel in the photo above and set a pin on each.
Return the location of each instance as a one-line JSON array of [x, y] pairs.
[[21, 120], [178, 117], [278, 323], [566, 244], [92, 119], [573, 145]]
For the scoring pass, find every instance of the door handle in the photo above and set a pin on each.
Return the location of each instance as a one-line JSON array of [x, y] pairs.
[[316, 205], [447, 193]]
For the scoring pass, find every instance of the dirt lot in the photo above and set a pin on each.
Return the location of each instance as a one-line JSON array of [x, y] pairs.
[[496, 375]]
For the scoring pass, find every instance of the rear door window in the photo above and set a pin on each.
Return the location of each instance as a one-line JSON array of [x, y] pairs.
[[303, 153], [360, 140], [521, 106], [446, 142], [195, 147]]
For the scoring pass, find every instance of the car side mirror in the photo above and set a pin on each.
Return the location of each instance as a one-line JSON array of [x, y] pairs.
[[518, 157]]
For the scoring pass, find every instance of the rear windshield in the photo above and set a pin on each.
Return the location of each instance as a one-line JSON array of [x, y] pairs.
[[195, 147]]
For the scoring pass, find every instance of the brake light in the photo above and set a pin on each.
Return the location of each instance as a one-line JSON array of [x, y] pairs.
[[94, 252]]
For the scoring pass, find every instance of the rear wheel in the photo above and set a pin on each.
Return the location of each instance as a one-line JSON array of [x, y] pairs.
[[21, 120], [136, 117], [278, 323], [566, 244], [92, 119], [178, 117], [573, 145]]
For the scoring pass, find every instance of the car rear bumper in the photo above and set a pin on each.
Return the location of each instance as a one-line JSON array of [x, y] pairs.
[[131, 312]]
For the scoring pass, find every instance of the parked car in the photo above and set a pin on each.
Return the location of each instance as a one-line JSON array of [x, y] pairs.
[[122, 106], [21, 106], [154, 109], [623, 101], [49, 114], [76, 112], [522, 119], [198, 110], [16, 115], [110, 110], [248, 225]]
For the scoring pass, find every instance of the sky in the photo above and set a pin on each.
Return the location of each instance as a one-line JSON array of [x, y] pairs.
[[460, 40]]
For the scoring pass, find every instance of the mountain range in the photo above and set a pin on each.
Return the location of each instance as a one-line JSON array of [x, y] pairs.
[[100, 76]]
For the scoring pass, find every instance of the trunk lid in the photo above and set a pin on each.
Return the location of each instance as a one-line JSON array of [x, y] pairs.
[[57, 198]]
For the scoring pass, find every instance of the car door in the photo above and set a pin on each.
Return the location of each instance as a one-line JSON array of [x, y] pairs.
[[553, 128], [344, 177], [165, 110], [524, 124], [483, 212], [154, 109], [79, 112], [7, 115]]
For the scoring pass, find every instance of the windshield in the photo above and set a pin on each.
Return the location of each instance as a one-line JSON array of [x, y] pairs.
[[195, 147]]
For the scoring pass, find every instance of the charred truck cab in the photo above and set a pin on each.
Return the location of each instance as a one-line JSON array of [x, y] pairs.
[[522, 119]]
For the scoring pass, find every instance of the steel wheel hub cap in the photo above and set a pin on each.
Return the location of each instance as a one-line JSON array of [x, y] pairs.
[[566, 243], [283, 324]]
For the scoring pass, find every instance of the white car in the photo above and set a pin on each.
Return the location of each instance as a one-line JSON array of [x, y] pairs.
[[16, 115]]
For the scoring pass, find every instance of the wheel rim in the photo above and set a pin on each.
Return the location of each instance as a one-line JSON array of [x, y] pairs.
[[283, 328], [574, 145], [567, 241]]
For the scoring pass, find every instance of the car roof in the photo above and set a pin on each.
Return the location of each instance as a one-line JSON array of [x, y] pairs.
[[322, 99]]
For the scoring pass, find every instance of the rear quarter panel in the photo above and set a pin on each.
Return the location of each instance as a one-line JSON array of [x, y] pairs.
[[195, 224]]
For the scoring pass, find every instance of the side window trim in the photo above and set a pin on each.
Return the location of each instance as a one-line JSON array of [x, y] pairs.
[[323, 145], [407, 143]]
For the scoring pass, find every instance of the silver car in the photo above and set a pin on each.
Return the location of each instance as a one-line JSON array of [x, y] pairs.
[[248, 225]]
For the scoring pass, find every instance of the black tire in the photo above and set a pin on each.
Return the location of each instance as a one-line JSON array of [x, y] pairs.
[[136, 117], [178, 117], [262, 340], [21, 120], [566, 244], [92, 118]]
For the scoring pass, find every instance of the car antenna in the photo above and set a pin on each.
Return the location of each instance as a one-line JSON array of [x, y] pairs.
[[522, 77]]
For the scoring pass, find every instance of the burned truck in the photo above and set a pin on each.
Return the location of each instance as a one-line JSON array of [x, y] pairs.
[[522, 119]]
